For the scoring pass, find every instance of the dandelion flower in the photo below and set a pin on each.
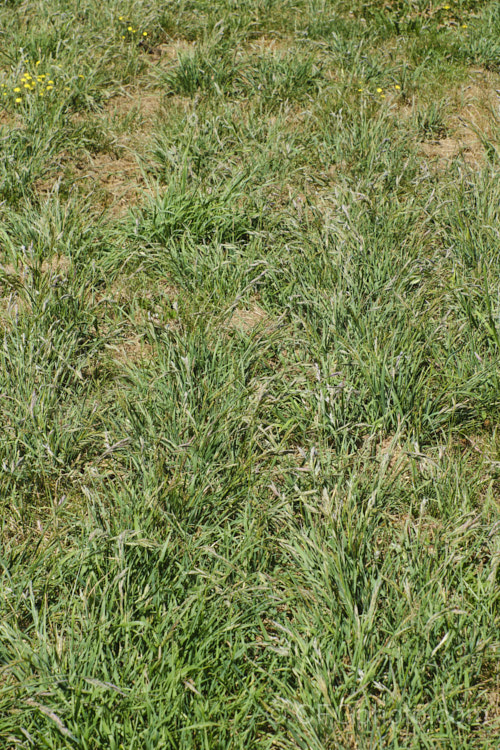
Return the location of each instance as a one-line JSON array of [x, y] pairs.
[[49, 88], [51, 83], [129, 28], [144, 33], [18, 100], [464, 26], [379, 90], [17, 89], [38, 62], [446, 7], [80, 75], [398, 87], [27, 86], [360, 89]]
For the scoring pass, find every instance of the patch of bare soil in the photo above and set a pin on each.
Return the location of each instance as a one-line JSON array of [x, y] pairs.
[[265, 45], [120, 177], [10, 304], [5, 117], [131, 351], [492, 713], [302, 200], [121, 292], [58, 265], [167, 53], [443, 151], [117, 177], [145, 105], [158, 306], [246, 319], [115, 181], [477, 114]]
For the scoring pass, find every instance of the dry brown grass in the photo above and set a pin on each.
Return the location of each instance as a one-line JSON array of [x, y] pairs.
[[120, 178], [476, 111], [131, 350], [248, 318], [169, 51]]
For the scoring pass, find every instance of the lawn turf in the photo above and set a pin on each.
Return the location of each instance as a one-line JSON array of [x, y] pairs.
[[249, 374]]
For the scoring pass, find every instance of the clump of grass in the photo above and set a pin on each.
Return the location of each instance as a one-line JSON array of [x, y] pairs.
[[207, 70], [430, 122]]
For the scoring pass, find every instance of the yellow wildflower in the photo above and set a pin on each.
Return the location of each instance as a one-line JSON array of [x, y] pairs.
[[397, 87], [129, 28], [37, 62], [379, 90], [144, 33], [18, 100], [51, 82], [49, 88], [17, 89]]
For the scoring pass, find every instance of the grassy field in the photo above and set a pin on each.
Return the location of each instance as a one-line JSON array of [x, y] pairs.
[[249, 374]]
